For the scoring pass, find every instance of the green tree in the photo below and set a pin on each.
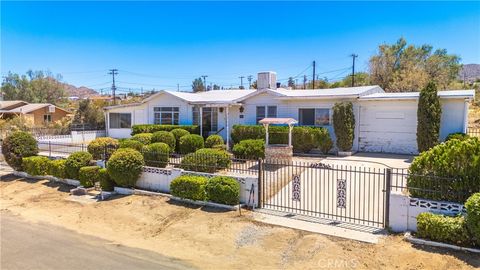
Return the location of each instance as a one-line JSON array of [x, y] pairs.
[[34, 87], [291, 83], [216, 87], [344, 125], [197, 85], [89, 114], [403, 67], [429, 113]]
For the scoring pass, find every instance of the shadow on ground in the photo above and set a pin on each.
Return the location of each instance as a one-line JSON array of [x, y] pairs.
[[470, 258]]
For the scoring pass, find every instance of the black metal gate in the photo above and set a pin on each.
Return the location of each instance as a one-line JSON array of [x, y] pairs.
[[357, 195]]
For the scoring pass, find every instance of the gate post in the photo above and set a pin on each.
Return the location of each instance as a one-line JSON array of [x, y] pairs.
[[388, 186], [260, 184]]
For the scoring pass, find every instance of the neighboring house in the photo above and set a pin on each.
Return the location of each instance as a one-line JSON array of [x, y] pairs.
[[384, 122], [37, 114]]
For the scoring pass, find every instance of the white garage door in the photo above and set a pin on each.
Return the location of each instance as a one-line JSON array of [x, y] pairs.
[[388, 127]]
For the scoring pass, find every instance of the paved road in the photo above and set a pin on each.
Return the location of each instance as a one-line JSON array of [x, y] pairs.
[[26, 245]]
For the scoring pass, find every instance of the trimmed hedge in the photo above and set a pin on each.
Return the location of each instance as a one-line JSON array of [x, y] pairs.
[[88, 176], [344, 125], [178, 133], [150, 128], [125, 166], [190, 143], [76, 161], [35, 165], [249, 149], [247, 132], [106, 183], [57, 168], [145, 138], [223, 189], [99, 146], [206, 160], [449, 171], [441, 228], [133, 144], [189, 187], [473, 217], [156, 154], [164, 137], [457, 135], [214, 141], [17, 146]]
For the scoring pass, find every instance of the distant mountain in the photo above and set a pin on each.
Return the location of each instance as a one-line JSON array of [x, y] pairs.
[[470, 71], [81, 92]]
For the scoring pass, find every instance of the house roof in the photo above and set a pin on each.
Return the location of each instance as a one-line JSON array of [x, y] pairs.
[[7, 104], [467, 94], [214, 96], [30, 108], [329, 92]]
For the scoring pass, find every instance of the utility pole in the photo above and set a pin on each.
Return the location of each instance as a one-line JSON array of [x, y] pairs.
[[204, 81], [313, 85], [178, 87], [296, 83], [304, 81], [113, 72], [249, 78], [353, 68], [241, 81]]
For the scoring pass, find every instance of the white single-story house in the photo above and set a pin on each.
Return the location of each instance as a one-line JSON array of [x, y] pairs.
[[384, 122]]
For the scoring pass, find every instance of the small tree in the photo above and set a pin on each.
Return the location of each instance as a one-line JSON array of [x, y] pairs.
[[429, 113], [197, 85], [344, 125]]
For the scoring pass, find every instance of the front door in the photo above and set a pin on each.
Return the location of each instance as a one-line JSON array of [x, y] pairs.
[[209, 120]]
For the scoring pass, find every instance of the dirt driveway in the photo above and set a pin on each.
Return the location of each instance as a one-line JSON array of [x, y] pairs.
[[210, 239]]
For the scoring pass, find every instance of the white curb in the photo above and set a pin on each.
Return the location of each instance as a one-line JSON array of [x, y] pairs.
[[419, 241]]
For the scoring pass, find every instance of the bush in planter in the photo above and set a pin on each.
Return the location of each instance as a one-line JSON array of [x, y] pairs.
[[449, 171], [344, 125], [473, 217], [125, 166], [223, 189], [164, 137], [323, 140], [178, 133], [99, 146], [429, 114], [190, 143], [189, 187], [76, 161], [214, 141], [88, 176], [150, 128], [249, 149], [57, 168], [156, 154], [443, 228], [17, 146], [206, 160], [145, 138], [35, 165], [458, 135], [128, 143], [247, 132], [106, 183]]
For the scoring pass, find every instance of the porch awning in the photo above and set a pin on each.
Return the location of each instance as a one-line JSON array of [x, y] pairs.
[[278, 121]]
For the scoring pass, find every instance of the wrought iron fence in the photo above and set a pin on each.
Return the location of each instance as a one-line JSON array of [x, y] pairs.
[[53, 149]]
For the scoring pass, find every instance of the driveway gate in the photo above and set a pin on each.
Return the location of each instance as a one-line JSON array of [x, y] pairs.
[[348, 194]]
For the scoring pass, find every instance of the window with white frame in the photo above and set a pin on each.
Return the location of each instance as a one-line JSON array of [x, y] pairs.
[[266, 112], [120, 120], [314, 117], [166, 115], [47, 118]]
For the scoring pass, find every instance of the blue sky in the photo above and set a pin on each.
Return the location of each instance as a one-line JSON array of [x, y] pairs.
[[162, 44]]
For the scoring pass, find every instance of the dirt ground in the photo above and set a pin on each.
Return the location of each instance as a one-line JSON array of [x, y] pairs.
[[213, 239], [474, 116]]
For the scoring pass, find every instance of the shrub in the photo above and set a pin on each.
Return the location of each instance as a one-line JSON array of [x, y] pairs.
[[178, 133], [189, 187], [145, 138], [443, 228], [101, 146], [35, 165], [473, 217], [448, 171], [344, 125], [128, 143], [303, 139], [323, 140], [76, 161], [223, 189], [247, 132], [276, 134], [458, 135], [17, 146], [88, 176], [190, 143], [164, 137], [249, 149], [57, 168], [429, 113], [206, 160], [214, 141], [106, 183], [156, 154], [149, 128], [125, 166]]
